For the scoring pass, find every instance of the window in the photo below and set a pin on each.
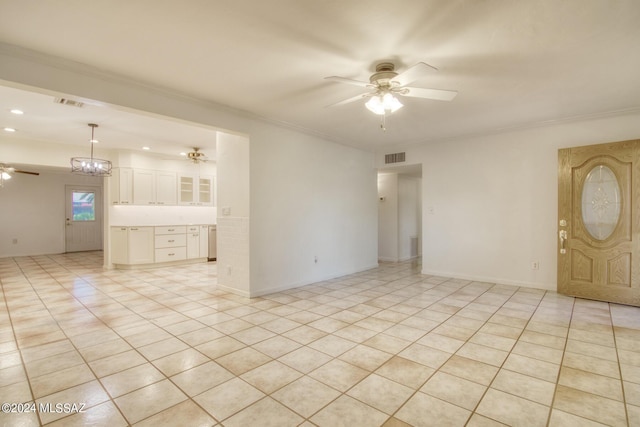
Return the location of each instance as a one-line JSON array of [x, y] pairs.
[[84, 207]]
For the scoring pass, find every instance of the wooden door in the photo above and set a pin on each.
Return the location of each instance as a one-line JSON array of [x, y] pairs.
[[599, 218], [83, 230]]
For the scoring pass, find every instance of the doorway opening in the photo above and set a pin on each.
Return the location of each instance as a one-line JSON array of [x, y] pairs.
[[400, 213]]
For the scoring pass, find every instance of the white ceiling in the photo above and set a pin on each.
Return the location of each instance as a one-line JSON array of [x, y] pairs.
[[515, 64]]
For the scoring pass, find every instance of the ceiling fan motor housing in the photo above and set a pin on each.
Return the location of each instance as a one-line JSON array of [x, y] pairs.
[[384, 73]]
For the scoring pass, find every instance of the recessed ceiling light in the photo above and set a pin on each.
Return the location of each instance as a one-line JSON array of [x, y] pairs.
[[16, 111], [9, 130], [183, 154], [146, 148], [94, 141]]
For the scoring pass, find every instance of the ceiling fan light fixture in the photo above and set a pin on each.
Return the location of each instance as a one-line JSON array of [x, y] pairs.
[[383, 104], [91, 165]]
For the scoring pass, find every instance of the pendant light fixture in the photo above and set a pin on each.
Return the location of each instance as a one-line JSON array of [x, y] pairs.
[[91, 165]]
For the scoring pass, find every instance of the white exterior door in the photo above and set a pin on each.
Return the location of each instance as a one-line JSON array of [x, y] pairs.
[[83, 223]]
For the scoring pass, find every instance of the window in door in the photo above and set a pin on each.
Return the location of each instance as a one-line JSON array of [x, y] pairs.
[[83, 205]]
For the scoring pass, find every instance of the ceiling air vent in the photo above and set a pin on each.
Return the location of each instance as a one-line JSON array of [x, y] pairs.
[[394, 158], [67, 101]]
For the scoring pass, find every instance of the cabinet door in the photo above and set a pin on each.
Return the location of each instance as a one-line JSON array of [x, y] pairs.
[[121, 186], [193, 245], [119, 245], [186, 190], [166, 188], [144, 187], [205, 191], [126, 186], [204, 241], [141, 245]]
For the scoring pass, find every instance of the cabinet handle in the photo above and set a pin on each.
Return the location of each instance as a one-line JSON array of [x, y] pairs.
[[171, 254], [171, 241], [171, 229], [134, 229], [161, 203], [125, 203], [123, 228]]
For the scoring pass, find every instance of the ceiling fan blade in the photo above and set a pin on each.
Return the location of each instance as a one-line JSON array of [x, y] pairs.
[[348, 100], [437, 94], [348, 81], [27, 172], [414, 73]]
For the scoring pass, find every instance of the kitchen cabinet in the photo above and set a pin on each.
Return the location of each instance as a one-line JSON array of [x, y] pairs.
[[193, 242], [154, 187], [132, 245], [158, 245], [206, 191], [204, 241], [120, 245], [196, 190], [171, 243], [121, 186]]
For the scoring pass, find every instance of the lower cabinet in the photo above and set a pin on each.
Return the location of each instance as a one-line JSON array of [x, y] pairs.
[[171, 243], [193, 242], [132, 246]]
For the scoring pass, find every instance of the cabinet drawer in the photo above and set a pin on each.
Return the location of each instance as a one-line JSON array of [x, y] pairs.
[[176, 229], [171, 254], [170, 240]]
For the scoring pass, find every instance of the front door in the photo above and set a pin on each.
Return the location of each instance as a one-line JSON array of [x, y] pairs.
[[599, 221], [83, 223]]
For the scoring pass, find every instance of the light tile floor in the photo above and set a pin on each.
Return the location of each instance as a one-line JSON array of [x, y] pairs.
[[388, 346]]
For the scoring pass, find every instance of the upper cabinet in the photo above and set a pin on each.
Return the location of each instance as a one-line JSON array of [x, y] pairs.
[[146, 187], [154, 187], [195, 190], [122, 186], [166, 188]]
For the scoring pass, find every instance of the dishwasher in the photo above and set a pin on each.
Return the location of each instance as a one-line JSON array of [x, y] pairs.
[[213, 253]]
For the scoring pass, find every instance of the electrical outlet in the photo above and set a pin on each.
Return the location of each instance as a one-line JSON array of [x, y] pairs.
[[535, 265]]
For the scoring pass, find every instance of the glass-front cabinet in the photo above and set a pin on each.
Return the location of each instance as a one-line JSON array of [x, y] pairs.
[[195, 190]]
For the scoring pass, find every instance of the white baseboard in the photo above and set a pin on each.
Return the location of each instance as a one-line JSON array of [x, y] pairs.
[[496, 280]]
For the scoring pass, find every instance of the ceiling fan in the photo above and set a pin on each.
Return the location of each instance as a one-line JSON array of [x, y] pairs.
[[196, 156], [386, 83], [7, 172]]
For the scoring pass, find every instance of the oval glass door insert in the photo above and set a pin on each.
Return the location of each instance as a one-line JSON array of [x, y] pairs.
[[601, 204]]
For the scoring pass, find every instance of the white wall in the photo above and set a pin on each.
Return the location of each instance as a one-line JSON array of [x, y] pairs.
[[490, 202], [234, 208], [32, 210], [310, 200]]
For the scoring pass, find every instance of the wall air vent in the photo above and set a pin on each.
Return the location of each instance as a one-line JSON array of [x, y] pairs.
[[394, 158], [67, 101]]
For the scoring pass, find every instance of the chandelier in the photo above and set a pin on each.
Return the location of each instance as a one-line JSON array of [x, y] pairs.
[[91, 165]]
